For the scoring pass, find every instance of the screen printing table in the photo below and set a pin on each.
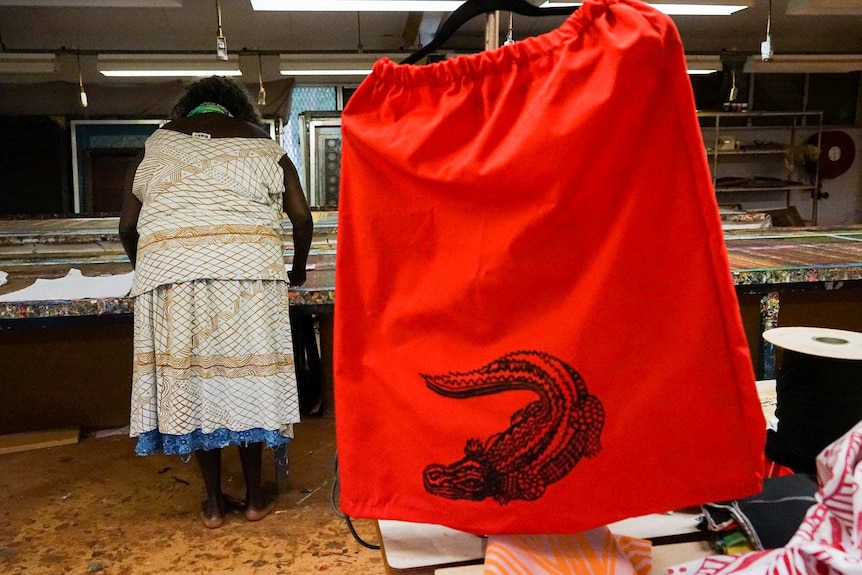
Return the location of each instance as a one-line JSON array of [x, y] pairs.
[[775, 263], [765, 264]]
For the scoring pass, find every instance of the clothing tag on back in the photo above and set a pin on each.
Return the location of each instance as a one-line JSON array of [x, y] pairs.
[[201, 135]]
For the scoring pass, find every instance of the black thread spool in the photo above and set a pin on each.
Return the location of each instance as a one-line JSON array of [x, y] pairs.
[[819, 393]]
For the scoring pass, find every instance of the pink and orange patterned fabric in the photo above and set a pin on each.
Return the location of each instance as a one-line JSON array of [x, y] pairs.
[[594, 552]]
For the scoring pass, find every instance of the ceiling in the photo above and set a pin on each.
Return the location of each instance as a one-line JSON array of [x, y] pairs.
[[93, 26]]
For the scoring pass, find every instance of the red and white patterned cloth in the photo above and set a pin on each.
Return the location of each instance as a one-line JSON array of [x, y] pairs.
[[827, 541]]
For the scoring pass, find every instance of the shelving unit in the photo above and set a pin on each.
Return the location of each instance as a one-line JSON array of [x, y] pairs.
[[748, 153]]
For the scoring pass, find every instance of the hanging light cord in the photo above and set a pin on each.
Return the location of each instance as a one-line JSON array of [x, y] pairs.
[[261, 95], [84, 101], [359, 47], [221, 42], [769, 21], [218, 17], [734, 92], [510, 34], [766, 46]]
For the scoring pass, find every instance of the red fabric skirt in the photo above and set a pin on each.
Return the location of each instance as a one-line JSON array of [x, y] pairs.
[[536, 329]]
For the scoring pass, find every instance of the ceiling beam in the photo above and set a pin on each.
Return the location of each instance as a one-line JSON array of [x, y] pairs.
[[411, 29], [824, 7]]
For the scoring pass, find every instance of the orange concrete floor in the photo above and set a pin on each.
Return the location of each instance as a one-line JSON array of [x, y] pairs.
[[97, 508]]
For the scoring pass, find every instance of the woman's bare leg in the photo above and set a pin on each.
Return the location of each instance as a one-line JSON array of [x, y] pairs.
[[214, 507], [259, 504]]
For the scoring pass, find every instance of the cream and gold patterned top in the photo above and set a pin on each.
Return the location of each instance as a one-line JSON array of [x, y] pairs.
[[211, 210]]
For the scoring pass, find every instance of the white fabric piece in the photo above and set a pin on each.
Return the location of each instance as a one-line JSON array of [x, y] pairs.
[[73, 285], [3, 276]]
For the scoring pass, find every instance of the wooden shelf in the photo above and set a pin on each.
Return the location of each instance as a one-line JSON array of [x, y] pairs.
[[759, 154], [745, 152]]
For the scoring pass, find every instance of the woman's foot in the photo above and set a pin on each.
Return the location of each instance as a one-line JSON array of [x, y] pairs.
[[260, 501], [253, 514], [256, 514], [212, 515], [213, 511]]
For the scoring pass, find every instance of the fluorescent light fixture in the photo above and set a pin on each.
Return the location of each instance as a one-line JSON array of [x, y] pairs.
[[805, 63], [704, 9], [352, 64], [357, 5], [699, 9], [166, 65], [330, 72], [14, 63], [702, 65], [677, 9], [96, 3], [329, 64]]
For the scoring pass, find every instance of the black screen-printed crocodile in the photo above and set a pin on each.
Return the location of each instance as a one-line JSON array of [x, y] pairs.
[[544, 441]]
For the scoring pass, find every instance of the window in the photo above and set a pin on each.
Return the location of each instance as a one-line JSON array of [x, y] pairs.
[[305, 99]]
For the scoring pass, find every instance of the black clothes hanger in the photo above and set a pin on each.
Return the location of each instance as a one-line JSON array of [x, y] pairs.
[[472, 8]]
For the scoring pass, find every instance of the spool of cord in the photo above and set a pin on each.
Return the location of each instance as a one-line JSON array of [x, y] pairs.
[[819, 397]]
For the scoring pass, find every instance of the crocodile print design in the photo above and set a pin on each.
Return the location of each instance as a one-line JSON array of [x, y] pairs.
[[541, 446]]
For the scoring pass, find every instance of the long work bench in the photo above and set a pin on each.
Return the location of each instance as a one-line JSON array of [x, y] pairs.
[[71, 364], [48, 249], [777, 269]]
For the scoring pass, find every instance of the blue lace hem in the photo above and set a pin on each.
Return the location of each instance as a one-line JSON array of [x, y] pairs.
[[155, 442]]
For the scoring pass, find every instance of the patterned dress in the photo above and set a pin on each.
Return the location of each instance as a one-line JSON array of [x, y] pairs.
[[213, 359]]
